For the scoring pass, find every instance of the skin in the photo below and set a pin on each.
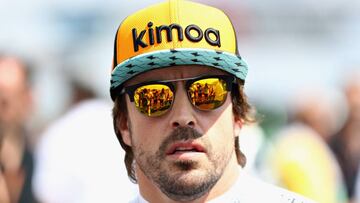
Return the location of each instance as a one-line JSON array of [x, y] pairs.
[[4, 193], [15, 95], [15, 107], [215, 168]]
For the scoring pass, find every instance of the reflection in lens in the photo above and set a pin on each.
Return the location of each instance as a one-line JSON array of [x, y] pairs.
[[154, 99], [207, 94]]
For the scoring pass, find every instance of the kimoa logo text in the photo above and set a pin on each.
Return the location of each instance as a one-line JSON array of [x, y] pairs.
[[189, 34]]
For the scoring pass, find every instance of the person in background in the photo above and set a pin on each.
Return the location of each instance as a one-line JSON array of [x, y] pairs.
[[252, 143], [357, 187], [301, 159], [185, 149], [16, 103], [4, 193], [346, 143], [77, 156]]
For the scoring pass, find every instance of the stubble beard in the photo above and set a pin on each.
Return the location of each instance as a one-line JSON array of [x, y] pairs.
[[182, 180]]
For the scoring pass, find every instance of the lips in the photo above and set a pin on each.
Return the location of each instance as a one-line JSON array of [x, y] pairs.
[[184, 147]]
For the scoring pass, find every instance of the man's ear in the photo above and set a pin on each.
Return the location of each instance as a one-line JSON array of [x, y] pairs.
[[123, 125], [238, 124]]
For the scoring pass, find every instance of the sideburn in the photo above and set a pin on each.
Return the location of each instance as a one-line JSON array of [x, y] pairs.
[[120, 115]]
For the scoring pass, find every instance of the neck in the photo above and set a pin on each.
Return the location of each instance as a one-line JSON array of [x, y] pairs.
[[151, 193]]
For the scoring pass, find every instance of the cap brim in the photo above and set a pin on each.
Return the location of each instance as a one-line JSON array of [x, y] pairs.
[[228, 62]]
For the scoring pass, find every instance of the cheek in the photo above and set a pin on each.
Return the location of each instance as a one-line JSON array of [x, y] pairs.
[[222, 132], [145, 133]]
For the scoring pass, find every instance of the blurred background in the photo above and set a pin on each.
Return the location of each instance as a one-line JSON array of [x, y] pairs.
[[303, 79]]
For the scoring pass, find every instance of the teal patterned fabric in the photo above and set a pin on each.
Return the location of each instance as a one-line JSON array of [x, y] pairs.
[[228, 62]]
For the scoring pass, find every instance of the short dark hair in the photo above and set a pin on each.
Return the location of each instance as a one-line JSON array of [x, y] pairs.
[[241, 109]]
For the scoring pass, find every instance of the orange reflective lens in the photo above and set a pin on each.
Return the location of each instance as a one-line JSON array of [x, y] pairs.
[[153, 99], [156, 98], [208, 94]]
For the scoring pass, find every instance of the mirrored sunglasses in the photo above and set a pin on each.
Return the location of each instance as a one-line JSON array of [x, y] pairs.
[[155, 98]]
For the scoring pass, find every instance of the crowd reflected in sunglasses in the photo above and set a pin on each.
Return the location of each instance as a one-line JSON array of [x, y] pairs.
[[152, 99]]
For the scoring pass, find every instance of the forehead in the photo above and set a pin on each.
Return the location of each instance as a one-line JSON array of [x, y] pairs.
[[12, 74], [175, 72]]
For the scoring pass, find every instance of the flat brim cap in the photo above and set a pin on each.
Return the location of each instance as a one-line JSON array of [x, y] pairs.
[[175, 32]]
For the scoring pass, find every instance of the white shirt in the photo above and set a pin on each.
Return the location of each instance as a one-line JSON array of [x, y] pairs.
[[248, 189], [79, 159], [357, 187]]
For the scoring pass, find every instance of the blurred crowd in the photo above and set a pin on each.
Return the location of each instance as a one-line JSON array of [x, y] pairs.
[[310, 146], [75, 159]]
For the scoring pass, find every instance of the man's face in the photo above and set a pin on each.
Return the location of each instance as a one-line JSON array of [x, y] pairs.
[[15, 99], [185, 151]]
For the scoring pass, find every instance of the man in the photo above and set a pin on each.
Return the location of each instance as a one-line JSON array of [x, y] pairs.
[[4, 193], [301, 159], [89, 171], [187, 149], [357, 187], [346, 143], [16, 158]]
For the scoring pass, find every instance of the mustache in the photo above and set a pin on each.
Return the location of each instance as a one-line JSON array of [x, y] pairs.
[[180, 133], [183, 133]]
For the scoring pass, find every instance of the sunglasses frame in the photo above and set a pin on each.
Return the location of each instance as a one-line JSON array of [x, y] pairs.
[[228, 79]]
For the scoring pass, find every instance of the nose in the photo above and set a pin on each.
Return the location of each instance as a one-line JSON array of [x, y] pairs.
[[182, 112]]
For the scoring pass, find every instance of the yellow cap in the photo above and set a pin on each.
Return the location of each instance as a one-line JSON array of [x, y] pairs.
[[175, 32]]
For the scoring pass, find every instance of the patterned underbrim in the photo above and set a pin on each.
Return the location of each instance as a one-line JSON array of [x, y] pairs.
[[228, 62]]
